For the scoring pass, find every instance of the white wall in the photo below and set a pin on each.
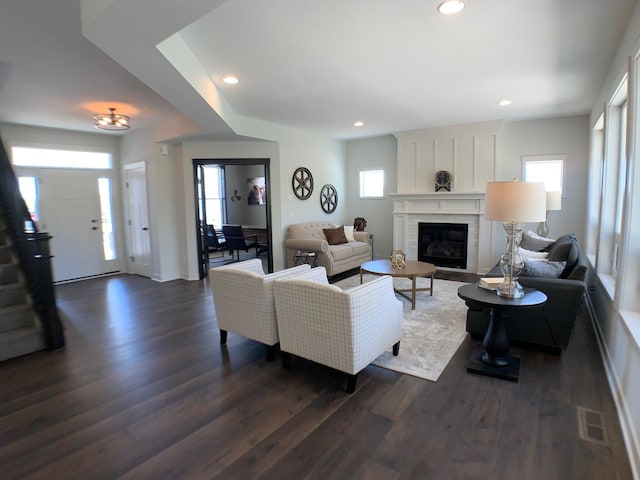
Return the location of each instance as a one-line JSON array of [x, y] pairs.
[[621, 349], [469, 152], [13, 134], [324, 157], [376, 152], [565, 135], [162, 199]]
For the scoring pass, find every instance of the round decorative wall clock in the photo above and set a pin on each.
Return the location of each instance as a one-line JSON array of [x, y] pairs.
[[328, 198], [442, 180], [302, 183]]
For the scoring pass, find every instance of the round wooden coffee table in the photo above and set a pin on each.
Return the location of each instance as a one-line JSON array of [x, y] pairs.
[[412, 270]]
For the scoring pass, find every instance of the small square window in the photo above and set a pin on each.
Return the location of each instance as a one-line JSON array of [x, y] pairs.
[[371, 183], [547, 169]]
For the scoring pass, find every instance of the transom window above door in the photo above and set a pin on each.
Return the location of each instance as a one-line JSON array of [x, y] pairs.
[[53, 158]]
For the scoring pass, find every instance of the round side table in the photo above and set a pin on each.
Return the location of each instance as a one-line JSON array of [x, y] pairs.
[[495, 360], [310, 258]]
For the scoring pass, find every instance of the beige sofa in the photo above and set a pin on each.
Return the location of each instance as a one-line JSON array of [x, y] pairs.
[[310, 237]]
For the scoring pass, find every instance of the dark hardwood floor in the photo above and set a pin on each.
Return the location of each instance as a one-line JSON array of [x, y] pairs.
[[144, 391]]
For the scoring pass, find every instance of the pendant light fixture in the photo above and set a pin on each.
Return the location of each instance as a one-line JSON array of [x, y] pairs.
[[111, 121]]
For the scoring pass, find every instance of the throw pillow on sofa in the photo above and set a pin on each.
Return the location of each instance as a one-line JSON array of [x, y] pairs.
[[529, 255], [543, 268], [565, 249], [335, 236], [348, 232], [535, 243]]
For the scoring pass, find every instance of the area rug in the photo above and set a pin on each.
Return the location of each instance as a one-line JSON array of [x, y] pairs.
[[431, 334]]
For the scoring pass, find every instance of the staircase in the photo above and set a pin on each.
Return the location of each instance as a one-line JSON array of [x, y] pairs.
[[20, 329], [29, 318]]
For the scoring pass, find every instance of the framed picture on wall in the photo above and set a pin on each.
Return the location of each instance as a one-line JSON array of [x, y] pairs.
[[257, 193]]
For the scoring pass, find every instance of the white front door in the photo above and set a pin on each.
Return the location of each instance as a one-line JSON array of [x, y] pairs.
[[138, 223], [70, 212]]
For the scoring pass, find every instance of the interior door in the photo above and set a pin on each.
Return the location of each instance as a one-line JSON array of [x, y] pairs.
[[138, 223], [201, 216], [70, 212]]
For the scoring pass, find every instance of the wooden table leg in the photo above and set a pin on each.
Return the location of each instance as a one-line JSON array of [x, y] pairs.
[[495, 361], [360, 276], [413, 292], [431, 292]]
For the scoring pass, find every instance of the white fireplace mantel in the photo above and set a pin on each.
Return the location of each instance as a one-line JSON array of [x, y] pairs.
[[440, 202], [438, 195], [409, 209]]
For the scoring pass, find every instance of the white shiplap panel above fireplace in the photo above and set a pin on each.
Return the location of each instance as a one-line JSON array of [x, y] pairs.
[[469, 152]]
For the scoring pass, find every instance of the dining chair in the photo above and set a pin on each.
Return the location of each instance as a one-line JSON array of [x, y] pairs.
[[237, 240]]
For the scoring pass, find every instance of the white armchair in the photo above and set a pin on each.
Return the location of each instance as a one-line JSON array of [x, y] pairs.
[[244, 303], [342, 329]]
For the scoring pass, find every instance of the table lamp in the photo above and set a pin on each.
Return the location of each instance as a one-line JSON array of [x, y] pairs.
[[514, 203], [554, 202]]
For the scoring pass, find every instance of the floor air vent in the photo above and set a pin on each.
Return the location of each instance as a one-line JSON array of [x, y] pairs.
[[591, 426]]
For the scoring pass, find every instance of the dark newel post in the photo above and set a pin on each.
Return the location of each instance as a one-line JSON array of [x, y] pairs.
[[43, 290]]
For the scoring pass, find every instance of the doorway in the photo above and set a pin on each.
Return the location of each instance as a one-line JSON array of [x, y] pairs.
[[231, 204], [75, 207], [70, 195], [138, 222]]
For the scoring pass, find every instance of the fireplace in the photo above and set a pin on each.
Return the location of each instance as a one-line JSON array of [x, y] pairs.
[[443, 244]]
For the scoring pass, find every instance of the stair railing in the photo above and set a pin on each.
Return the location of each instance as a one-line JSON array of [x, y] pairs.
[[32, 249]]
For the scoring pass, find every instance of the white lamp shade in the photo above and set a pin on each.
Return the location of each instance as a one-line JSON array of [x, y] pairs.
[[515, 201], [554, 200]]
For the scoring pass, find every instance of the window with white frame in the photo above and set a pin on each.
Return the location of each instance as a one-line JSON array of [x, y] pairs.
[[614, 170], [547, 169], [595, 189], [613, 223], [619, 187], [372, 183], [28, 186], [56, 158], [215, 195]]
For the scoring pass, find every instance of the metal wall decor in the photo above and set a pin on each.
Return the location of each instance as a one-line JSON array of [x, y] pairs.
[[328, 198], [302, 183]]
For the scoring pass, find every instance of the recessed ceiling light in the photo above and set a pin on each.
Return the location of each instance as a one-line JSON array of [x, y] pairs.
[[504, 103], [358, 123], [230, 80], [450, 7]]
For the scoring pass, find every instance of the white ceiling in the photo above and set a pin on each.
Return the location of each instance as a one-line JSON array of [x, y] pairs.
[[317, 65]]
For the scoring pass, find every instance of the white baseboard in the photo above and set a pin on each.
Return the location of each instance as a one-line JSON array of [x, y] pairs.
[[166, 277], [628, 432]]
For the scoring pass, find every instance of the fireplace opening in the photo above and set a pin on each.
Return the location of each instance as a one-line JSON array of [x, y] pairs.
[[443, 244]]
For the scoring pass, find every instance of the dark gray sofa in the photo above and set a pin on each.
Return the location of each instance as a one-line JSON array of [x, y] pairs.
[[549, 327]]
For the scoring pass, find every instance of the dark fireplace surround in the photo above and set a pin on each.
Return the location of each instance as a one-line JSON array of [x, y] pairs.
[[443, 244]]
